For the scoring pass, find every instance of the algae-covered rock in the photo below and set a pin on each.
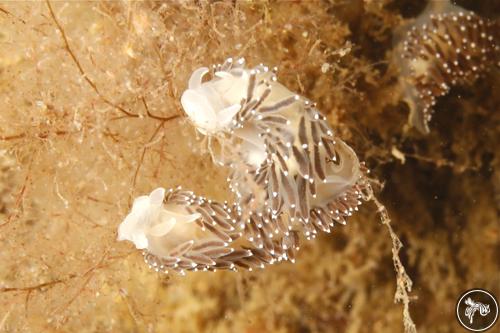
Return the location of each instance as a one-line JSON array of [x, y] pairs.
[[91, 118]]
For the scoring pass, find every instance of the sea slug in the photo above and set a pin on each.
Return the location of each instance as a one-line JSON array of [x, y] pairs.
[[289, 173], [446, 46]]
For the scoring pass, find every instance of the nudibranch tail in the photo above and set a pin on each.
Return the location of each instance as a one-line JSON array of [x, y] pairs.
[[442, 50]]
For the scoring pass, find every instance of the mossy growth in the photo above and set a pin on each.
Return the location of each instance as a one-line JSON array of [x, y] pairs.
[[90, 118]]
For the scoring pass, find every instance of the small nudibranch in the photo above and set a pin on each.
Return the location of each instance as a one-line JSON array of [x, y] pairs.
[[180, 231], [446, 46]]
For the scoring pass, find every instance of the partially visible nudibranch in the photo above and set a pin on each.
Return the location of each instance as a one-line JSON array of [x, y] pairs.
[[289, 170], [446, 46]]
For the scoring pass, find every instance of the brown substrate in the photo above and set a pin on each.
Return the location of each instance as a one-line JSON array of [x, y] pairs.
[[90, 118]]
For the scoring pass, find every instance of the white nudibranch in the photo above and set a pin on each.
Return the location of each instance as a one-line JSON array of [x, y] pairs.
[[180, 231], [289, 174]]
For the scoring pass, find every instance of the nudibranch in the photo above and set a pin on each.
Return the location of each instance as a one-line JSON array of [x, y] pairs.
[[446, 46], [289, 173]]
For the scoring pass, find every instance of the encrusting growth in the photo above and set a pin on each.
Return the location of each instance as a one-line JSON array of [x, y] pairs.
[[289, 174], [446, 47]]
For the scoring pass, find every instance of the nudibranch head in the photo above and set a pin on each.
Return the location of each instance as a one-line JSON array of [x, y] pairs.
[[149, 219], [212, 105]]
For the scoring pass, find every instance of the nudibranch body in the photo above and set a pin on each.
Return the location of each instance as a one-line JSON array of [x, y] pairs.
[[288, 171], [447, 46], [284, 156]]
